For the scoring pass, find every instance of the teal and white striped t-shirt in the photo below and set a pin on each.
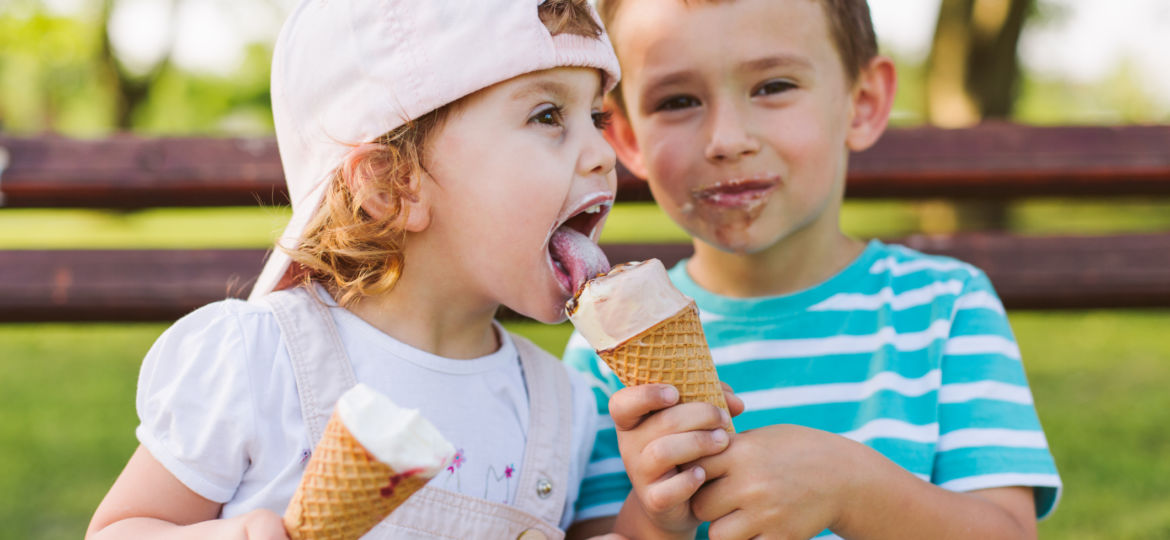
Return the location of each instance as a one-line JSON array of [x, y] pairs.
[[908, 353]]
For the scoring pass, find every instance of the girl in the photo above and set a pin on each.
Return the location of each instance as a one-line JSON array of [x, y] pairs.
[[479, 178]]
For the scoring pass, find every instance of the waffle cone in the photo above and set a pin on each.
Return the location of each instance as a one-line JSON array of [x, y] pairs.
[[674, 352], [345, 490]]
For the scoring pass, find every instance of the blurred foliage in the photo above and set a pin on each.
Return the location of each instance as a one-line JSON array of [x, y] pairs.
[[52, 79]]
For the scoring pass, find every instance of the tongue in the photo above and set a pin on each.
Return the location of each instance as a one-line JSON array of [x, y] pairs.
[[581, 258]]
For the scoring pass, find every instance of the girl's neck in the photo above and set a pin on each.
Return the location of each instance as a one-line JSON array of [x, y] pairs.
[[432, 320], [796, 262]]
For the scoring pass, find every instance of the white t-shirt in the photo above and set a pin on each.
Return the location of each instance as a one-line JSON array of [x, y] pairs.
[[218, 406]]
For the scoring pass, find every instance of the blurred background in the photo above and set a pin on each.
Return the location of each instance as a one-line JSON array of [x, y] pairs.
[[93, 69]]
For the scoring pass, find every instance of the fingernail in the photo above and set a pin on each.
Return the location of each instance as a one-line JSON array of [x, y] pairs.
[[719, 435], [726, 417], [699, 473], [670, 394]]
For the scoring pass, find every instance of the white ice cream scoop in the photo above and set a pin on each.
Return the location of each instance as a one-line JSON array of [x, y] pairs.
[[398, 437], [612, 308]]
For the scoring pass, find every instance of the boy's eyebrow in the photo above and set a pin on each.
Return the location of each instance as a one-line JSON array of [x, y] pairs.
[[782, 60], [757, 64]]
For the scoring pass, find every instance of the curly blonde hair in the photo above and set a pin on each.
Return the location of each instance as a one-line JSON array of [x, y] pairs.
[[351, 252], [355, 254]]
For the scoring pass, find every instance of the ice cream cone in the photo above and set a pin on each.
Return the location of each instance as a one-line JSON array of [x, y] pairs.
[[345, 490], [647, 331], [674, 352]]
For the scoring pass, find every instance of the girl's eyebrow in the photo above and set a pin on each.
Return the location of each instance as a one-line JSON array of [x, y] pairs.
[[558, 90]]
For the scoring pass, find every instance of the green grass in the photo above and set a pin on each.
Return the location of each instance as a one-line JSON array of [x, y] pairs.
[[1099, 378], [67, 391]]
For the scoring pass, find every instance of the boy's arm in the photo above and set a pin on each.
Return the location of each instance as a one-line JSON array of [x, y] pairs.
[[147, 501], [801, 481]]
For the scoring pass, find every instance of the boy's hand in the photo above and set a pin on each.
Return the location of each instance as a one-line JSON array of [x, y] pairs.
[[778, 478], [658, 440]]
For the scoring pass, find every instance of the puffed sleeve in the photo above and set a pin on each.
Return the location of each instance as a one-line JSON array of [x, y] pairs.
[[194, 405]]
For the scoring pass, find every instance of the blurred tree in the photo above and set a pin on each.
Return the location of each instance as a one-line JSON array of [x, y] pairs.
[[972, 69], [130, 89], [60, 72], [972, 74]]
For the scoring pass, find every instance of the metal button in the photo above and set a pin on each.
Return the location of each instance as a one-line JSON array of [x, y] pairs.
[[532, 534], [543, 488]]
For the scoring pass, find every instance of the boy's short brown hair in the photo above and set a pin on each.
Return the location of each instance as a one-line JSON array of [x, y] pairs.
[[850, 26], [345, 248]]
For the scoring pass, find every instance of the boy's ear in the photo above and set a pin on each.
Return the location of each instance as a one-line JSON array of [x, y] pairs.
[[621, 137], [873, 97]]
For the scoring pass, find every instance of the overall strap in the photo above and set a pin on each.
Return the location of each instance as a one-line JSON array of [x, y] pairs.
[[543, 483], [322, 369]]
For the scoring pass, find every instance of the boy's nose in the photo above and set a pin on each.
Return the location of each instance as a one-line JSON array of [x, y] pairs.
[[729, 138]]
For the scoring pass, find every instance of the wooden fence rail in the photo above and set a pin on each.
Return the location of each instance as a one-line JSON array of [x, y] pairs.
[[996, 162]]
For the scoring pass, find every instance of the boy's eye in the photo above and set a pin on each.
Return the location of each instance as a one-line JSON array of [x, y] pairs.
[[675, 103], [549, 116], [602, 119], [773, 87]]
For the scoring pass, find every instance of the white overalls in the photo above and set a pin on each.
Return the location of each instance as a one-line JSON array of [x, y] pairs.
[[323, 372]]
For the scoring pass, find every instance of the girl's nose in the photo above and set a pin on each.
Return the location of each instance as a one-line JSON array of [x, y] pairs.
[[597, 157]]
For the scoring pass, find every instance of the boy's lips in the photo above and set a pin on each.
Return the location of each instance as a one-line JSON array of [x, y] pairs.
[[573, 254], [736, 193]]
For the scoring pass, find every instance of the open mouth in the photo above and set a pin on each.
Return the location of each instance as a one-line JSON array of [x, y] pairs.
[[573, 251], [735, 193]]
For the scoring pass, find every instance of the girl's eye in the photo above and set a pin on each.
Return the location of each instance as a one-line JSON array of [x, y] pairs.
[[675, 103], [773, 87], [602, 119], [549, 116]]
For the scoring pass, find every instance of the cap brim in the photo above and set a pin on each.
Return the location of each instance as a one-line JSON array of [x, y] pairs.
[[278, 261]]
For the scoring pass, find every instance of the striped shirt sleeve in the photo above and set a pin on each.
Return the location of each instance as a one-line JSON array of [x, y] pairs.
[[989, 432], [605, 485]]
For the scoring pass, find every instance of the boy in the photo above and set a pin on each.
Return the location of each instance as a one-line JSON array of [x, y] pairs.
[[885, 397]]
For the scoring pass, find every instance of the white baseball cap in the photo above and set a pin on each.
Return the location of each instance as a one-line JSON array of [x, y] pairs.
[[344, 72]]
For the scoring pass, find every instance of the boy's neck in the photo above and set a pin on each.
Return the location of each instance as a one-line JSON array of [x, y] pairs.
[[793, 264]]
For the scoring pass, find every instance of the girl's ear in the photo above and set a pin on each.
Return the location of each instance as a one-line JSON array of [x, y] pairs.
[[621, 137], [872, 98], [417, 207], [413, 206]]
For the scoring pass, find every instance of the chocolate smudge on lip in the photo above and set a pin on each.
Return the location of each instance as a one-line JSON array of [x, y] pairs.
[[730, 208]]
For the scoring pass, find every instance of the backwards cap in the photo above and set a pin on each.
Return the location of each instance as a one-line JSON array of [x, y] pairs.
[[344, 72]]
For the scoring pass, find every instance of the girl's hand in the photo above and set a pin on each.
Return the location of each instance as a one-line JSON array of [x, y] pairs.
[[259, 524]]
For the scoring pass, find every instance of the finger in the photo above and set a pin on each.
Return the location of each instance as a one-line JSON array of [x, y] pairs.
[[264, 524], [677, 449], [736, 525], [734, 403], [629, 406], [714, 499], [684, 417], [673, 490], [718, 465]]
